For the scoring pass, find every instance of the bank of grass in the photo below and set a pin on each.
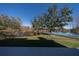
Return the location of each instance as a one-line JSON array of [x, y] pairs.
[[66, 41], [70, 44], [76, 37]]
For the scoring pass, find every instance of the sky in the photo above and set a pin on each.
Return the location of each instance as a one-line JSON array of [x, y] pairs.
[[27, 11]]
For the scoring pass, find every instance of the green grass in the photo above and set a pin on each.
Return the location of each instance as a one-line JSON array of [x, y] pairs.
[[70, 44], [77, 37]]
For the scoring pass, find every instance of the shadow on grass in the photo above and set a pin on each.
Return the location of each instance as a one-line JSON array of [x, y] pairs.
[[23, 42]]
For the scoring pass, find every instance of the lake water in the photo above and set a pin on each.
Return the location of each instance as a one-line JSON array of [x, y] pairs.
[[38, 51], [65, 34]]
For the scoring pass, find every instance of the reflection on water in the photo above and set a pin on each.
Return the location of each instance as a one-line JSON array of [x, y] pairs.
[[38, 51]]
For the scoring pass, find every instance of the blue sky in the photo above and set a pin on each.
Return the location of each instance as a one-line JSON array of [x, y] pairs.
[[28, 11]]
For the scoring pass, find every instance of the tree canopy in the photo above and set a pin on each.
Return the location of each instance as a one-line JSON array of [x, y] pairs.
[[53, 19], [11, 22]]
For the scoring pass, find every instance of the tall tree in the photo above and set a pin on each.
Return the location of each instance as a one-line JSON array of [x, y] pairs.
[[65, 16], [52, 19], [35, 24]]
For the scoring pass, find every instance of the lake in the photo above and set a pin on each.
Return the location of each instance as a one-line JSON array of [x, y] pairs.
[[64, 34]]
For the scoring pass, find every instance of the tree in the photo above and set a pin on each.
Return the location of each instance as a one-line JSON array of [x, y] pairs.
[[11, 22], [52, 22], [65, 16], [39, 22], [35, 25], [16, 23], [52, 19]]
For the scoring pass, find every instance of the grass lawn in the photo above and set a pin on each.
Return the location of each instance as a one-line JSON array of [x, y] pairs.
[[70, 44], [77, 37]]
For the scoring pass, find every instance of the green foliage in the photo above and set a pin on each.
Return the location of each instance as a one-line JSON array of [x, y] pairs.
[[66, 15], [53, 19], [11, 22]]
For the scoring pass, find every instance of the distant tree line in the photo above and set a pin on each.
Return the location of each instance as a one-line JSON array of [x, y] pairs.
[[75, 29], [53, 19]]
